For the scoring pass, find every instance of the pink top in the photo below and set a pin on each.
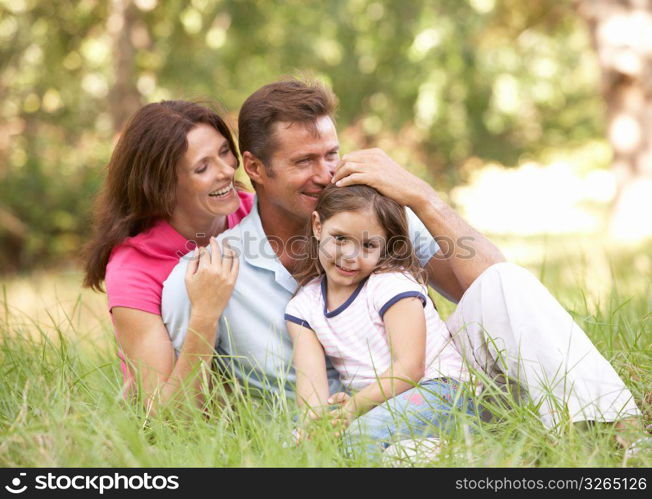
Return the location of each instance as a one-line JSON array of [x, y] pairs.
[[354, 337], [138, 267]]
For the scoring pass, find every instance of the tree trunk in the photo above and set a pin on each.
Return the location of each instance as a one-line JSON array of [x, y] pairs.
[[621, 32], [124, 98]]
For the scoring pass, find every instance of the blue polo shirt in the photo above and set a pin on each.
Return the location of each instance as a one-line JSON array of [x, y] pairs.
[[253, 343]]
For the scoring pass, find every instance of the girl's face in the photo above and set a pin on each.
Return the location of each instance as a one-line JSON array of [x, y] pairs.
[[205, 176], [350, 245]]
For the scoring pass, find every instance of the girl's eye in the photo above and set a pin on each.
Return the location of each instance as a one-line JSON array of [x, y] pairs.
[[339, 239], [225, 151], [369, 246], [202, 168]]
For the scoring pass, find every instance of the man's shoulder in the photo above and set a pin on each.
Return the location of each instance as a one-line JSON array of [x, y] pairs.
[[234, 234], [311, 289]]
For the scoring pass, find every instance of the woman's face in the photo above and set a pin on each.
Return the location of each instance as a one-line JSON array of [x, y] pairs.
[[205, 177]]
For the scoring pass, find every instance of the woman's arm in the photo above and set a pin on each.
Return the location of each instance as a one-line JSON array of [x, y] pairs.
[[151, 358], [407, 341], [210, 278], [310, 366]]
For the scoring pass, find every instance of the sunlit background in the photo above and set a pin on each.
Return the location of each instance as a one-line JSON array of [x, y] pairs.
[[533, 119]]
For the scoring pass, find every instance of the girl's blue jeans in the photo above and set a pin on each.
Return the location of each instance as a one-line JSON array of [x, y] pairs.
[[427, 410]]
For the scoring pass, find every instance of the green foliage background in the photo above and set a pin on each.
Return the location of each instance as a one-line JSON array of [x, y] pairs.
[[438, 83]]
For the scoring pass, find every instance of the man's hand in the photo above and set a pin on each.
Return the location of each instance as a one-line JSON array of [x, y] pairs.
[[373, 167]]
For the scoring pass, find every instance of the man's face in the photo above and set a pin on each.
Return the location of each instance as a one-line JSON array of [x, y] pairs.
[[302, 164]]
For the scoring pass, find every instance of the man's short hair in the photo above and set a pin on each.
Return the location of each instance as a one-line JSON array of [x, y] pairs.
[[293, 101]]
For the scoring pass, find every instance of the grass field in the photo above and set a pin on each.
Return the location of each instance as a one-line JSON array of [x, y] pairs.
[[61, 402]]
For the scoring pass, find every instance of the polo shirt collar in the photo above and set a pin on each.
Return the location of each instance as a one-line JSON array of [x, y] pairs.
[[260, 253]]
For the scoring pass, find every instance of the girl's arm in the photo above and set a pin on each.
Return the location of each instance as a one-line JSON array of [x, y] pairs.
[[405, 323], [146, 343], [310, 366]]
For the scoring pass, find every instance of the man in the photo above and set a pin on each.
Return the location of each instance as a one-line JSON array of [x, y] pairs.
[[506, 322]]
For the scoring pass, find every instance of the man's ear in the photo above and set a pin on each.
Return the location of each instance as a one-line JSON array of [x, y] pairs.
[[316, 225], [253, 166]]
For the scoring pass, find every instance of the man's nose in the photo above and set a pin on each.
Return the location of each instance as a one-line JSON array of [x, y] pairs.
[[324, 171]]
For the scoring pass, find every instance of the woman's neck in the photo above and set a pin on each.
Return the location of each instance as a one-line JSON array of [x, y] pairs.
[[199, 231]]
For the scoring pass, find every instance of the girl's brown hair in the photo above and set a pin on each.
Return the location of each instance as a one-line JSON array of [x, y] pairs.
[[398, 253], [141, 180]]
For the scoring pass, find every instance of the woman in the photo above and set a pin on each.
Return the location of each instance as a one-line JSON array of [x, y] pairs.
[[170, 188]]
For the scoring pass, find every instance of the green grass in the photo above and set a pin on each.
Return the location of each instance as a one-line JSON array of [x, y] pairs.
[[61, 402]]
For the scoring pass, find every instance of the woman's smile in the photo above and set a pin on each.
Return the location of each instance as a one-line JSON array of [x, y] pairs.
[[223, 192]]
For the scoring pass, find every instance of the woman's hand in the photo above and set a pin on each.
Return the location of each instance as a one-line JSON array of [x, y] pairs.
[[210, 278]]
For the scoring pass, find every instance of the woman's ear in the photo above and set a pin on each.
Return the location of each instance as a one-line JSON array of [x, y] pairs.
[[316, 225]]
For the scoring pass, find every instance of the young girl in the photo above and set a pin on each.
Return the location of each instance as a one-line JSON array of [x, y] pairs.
[[364, 305]]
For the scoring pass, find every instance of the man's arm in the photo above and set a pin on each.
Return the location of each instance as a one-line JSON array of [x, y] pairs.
[[464, 253]]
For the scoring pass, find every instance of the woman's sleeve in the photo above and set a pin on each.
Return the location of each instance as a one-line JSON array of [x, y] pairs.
[[132, 287]]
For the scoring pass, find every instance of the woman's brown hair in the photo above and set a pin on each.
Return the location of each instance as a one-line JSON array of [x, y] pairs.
[[141, 179], [398, 253]]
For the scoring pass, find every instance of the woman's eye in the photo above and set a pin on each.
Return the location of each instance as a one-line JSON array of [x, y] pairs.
[[339, 239], [369, 246], [225, 151], [201, 169]]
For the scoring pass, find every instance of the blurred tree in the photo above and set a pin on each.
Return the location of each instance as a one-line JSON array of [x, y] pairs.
[[436, 83], [621, 31], [124, 98]]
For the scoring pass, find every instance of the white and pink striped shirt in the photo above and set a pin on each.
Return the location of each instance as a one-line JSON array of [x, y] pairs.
[[353, 335]]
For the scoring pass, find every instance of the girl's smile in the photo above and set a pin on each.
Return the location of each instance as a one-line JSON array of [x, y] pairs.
[[344, 271]]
